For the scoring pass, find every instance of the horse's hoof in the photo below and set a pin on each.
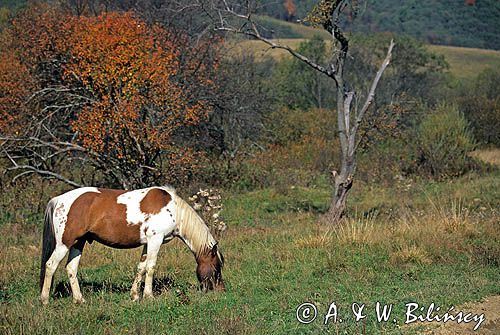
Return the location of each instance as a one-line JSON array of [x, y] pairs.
[[135, 297], [44, 301]]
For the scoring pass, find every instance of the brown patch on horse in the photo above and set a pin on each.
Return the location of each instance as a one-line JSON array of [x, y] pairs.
[[97, 216], [154, 201]]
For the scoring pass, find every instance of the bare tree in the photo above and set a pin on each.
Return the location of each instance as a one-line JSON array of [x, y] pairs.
[[239, 18], [49, 148]]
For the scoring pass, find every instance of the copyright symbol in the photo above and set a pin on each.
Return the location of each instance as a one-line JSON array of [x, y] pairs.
[[306, 313]]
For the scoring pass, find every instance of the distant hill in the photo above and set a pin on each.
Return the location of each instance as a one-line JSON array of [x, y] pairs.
[[468, 23], [465, 63]]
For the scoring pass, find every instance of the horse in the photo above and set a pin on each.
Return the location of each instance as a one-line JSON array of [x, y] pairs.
[[125, 219]]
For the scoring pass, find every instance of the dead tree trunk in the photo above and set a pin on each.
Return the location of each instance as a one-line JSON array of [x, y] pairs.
[[326, 14], [348, 130]]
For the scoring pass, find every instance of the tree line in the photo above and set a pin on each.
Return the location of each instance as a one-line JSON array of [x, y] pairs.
[[126, 95]]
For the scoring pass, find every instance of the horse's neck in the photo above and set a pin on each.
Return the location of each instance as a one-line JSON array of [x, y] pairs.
[[192, 230]]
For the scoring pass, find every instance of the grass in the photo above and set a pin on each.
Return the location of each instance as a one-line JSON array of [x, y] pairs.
[[261, 49], [294, 29], [488, 155], [465, 63], [433, 242]]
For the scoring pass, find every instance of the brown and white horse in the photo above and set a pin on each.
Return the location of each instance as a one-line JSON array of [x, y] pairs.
[[124, 219]]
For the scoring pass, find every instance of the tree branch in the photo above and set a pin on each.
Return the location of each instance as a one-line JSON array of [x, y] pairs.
[[371, 93], [28, 169], [249, 28]]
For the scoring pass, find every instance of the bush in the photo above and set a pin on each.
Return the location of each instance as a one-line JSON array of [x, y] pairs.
[[443, 142], [301, 148], [480, 103], [384, 162]]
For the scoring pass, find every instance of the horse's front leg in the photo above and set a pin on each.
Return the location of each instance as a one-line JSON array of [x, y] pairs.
[[153, 246], [141, 268]]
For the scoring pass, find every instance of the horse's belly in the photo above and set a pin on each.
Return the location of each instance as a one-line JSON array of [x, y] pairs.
[[117, 234], [113, 243]]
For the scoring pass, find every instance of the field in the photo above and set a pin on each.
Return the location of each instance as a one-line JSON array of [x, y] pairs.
[[467, 62], [406, 239], [464, 63], [421, 242]]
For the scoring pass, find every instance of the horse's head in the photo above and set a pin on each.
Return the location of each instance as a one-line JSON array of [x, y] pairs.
[[209, 270]]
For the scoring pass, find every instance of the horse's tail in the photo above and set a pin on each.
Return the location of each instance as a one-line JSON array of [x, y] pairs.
[[48, 239]]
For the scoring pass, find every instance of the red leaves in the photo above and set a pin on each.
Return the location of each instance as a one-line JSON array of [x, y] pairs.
[[15, 85], [129, 69]]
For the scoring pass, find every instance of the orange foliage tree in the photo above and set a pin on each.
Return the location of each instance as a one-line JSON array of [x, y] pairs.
[[109, 90], [290, 9]]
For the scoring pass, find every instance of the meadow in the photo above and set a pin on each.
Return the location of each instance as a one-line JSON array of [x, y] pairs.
[[419, 242], [405, 239], [465, 63]]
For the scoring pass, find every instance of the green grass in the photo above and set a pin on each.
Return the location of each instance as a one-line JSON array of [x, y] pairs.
[[261, 49], [465, 63], [277, 257], [289, 29]]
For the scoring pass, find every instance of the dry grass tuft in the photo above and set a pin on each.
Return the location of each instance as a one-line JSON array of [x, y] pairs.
[[491, 156], [360, 230], [418, 237], [315, 241], [410, 254]]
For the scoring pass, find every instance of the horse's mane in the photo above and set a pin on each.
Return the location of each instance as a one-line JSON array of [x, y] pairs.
[[192, 227]]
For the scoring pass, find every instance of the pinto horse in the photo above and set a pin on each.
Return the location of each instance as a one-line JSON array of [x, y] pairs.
[[125, 219]]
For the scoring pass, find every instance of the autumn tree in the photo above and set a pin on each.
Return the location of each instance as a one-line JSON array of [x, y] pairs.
[[290, 10], [238, 17], [108, 93]]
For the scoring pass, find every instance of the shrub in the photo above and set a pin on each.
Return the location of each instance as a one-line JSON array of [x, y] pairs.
[[443, 142], [207, 202], [303, 147], [480, 103], [384, 162]]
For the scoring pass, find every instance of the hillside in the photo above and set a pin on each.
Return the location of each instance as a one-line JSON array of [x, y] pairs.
[[467, 23], [464, 62], [447, 22], [467, 62]]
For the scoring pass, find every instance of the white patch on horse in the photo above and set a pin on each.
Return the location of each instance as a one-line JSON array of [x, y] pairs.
[[132, 200], [62, 205], [161, 223]]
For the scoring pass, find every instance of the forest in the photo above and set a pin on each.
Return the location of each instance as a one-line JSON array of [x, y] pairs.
[[212, 100], [468, 23]]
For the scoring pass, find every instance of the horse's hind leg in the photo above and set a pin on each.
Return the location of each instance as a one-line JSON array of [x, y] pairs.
[[75, 254], [50, 267], [141, 268]]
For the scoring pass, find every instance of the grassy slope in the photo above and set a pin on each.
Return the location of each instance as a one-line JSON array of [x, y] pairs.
[[294, 29], [464, 62], [467, 62], [447, 22], [428, 250]]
